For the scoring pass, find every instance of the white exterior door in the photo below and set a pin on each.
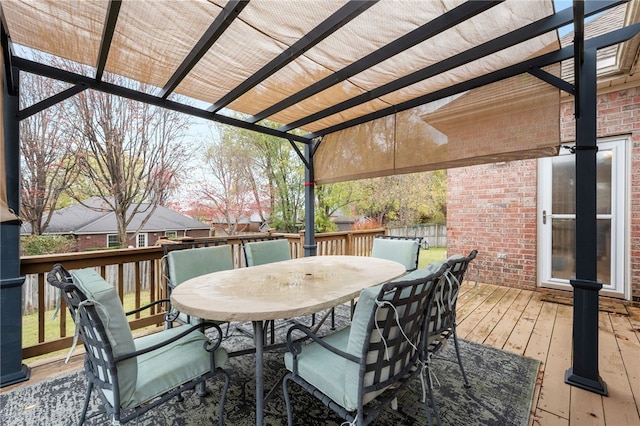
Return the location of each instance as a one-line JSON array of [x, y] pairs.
[[556, 218]]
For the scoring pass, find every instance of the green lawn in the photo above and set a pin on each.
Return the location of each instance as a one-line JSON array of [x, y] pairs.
[[434, 254], [52, 326]]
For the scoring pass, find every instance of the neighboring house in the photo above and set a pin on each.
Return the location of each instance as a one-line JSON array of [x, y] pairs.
[[93, 225], [245, 224], [520, 215], [344, 223]]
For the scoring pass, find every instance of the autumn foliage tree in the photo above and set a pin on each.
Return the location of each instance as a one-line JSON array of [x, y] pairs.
[[229, 182]]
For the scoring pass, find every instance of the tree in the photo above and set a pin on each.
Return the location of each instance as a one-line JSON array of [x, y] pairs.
[[48, 153], [403, 200], [331, 198], [229, 182], [130, 152], [276, 161]]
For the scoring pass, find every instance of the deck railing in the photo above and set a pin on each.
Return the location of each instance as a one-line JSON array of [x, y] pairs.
[[141, 271]]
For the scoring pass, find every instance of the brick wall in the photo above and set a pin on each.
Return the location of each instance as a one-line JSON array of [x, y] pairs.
[[493, 207], [99, 241]]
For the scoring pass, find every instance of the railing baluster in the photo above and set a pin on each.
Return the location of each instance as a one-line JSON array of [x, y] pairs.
[[41, 308]]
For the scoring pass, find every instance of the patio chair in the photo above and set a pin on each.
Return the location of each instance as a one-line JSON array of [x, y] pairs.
[[183, 245], [441, 318], [133, 376], [271, 249], [188, 263], [360, 370], [405, 250], [262, 250]]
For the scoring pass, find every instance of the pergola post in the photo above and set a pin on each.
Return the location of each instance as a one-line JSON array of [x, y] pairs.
[[584, 372], [309, 201], [11, 368]]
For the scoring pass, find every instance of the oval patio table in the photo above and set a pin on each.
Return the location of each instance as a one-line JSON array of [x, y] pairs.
[[286, 289]]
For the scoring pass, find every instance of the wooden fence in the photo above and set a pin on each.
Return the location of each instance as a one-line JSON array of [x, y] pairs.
[[435, 234]]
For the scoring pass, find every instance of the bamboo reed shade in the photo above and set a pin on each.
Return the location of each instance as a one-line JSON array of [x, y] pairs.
[[517, 118], [152, 38]]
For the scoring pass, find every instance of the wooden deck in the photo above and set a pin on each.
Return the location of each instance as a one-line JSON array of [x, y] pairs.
[[519, 321]]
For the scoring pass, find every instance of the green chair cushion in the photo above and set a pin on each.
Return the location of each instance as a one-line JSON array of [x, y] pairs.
[[261, 252], [113, 317], [324, 369], [190, 263], [171, 365], [401, 251]]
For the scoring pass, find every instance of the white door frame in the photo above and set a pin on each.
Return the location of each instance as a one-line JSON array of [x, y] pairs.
[[619, 220]]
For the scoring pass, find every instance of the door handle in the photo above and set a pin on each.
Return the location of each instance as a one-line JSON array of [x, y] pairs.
[[544, 217]]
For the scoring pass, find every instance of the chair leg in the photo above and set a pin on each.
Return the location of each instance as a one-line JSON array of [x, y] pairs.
[[273, 331], [455, 342], [432, 398], [202, 390], [333, 319], [287, 401], [223, 397], [87, 397]]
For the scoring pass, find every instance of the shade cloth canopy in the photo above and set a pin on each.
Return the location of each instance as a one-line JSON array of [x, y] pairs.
[[391, 86], [344, 70]]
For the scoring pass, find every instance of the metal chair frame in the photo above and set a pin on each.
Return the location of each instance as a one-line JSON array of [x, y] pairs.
[[391, 354], [101, 366], [441, 320]]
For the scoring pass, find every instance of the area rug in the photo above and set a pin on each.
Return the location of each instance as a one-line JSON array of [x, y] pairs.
[[501, 392]]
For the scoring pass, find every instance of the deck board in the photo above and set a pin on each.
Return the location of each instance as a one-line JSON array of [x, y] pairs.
[[620, 407], [503, 329], [519, 321], [519, 337], [555, 396]]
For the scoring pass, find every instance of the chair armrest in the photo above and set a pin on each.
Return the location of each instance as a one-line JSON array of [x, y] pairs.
[[295, 347], [210, 347], [145, 307]]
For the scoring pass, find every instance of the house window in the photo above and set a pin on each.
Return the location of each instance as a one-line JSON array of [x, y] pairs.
[[113, 241], [141, 240], [171, 234]]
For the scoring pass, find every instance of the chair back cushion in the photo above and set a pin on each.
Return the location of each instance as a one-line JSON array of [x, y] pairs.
[[109, 308], [261, 252], [190, 263], [401, 251]]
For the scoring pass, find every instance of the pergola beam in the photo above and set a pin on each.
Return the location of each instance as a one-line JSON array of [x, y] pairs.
[[599, 42], [438, 25], [337, 20], [113, 89], [107, 36], [505, 41], [208, 39]]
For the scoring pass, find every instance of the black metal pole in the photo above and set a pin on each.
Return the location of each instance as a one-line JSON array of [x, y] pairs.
[[584, 372], [11, 368], [309, 202]]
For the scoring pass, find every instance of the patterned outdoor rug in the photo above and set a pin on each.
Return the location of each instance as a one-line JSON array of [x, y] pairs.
[[501, 392]]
